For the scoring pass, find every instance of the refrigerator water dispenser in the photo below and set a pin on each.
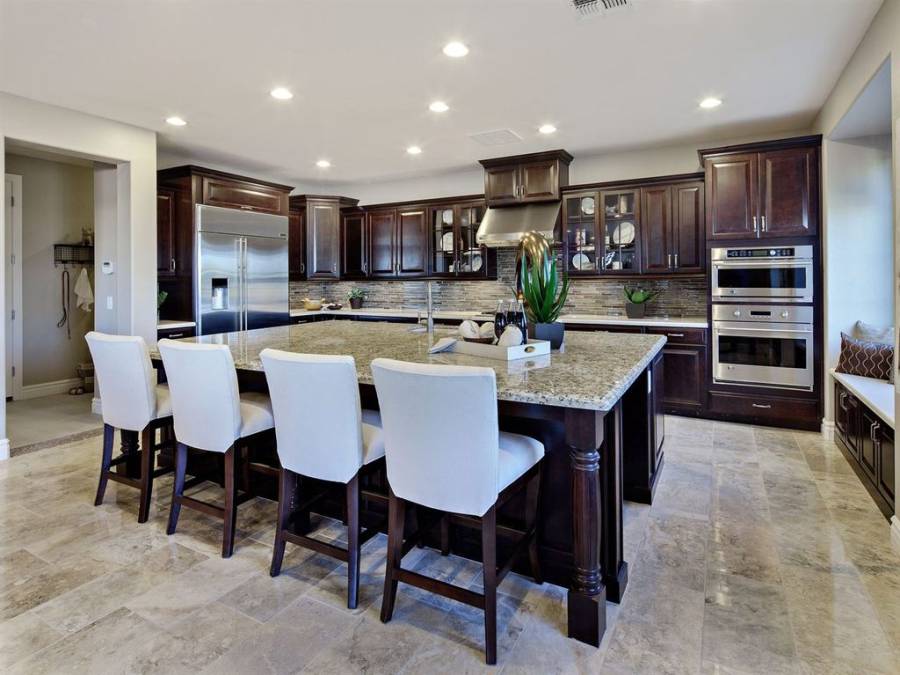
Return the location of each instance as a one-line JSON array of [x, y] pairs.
[[219, 293]]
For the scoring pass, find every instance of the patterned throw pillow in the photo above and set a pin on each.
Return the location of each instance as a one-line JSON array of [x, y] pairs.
[[869, 359]]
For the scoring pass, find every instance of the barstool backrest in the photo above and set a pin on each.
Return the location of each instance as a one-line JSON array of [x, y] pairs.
[[205, 399], [318, 418], [125, 379], [441, 436]]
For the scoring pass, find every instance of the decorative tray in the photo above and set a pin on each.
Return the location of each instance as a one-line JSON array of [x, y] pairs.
[[530, 349]]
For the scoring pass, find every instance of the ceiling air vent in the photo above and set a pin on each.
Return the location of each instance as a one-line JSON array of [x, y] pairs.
[[497, 137], [587, 8]]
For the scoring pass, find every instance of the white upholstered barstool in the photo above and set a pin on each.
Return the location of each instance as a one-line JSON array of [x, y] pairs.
[[324, 434], [134, 404], [211, 415], [444, 451]]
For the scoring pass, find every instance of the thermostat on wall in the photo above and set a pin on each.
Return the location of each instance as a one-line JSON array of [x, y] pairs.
[[107, 267]]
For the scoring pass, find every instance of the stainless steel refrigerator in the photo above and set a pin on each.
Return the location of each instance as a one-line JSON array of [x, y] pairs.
[[241, 270]]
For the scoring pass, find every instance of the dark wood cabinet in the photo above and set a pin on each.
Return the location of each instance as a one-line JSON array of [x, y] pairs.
[[242, 195], [537, 177], [175, 333], [454, 251], [297, 244], [656, 228], [684, 362], [688, 228], [763, 190], [789, 188], [354, 245], [867, 442], [321, 219], [412, 242], [166, 263], [382, 227]]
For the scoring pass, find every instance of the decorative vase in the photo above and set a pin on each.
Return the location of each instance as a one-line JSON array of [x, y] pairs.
[[554, 332], [635, 310], [356, 303]]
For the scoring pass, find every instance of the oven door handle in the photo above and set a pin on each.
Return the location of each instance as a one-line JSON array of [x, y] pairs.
[[739, 331]]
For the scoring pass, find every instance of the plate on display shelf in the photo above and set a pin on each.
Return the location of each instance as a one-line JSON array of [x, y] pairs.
[[581, 262], [623, 234], [447, 242], [587, 206], [476, 262], [447, 216]]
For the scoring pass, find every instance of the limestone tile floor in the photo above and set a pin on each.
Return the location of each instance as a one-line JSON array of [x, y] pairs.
[[37, 422], [761, 553]]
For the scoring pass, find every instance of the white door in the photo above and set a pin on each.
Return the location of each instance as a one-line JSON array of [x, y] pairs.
[[12, 208]]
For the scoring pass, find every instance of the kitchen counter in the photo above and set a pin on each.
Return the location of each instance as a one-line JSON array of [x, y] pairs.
[[453, 315], [593, 372]]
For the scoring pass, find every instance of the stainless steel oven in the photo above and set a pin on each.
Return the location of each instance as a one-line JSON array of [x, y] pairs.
[[755, 274], [763, 345]]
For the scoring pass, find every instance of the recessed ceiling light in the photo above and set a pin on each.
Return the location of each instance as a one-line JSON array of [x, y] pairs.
[[710, 102], [323, 164], [281, 93], [455, 49], [175, 121], [438, 106], [414, 150], [547, 129]]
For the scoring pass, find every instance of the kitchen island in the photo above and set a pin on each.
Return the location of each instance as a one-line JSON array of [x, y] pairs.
[[570, 400]]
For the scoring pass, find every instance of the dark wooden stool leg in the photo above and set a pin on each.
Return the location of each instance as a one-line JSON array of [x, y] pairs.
[[445, 534], [230, 504], [147, 466], [285, 498], [245, 469], [109, 434], [396, 516], [489, 560], [131, 467], [177, 486], [532, 507], [353, 542]]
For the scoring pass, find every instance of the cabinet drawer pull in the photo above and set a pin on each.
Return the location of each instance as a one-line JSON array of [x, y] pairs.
[[675, 334], [670, 261], [173, 336], [172, 265], [246, 207], [762, 406], [302, 268]]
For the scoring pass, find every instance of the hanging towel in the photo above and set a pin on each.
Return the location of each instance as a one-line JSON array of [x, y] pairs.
[[84, 296]]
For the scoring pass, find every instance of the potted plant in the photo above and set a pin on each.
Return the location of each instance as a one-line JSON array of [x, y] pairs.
[[545, 295], [356, 297], [160, 299], [636, 302]]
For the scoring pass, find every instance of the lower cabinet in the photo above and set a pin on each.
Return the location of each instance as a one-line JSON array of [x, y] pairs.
[[175, 333], [684, 367], [868, 443]]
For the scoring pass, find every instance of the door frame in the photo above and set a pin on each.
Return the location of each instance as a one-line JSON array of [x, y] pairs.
[[14, 232]]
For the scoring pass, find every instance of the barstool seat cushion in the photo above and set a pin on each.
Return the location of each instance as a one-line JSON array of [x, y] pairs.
[[372, 436], [163, 401], [517, 454], [256, 413]]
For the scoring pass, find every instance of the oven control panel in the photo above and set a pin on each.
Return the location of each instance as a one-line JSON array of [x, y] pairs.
[[763, 313], [779, 253], [760, 253]]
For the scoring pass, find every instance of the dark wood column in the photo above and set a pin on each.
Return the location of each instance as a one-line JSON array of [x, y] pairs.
[[585, 431], [615, 569], [131, 467]]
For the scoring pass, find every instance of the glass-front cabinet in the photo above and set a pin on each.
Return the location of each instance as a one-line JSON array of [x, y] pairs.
[[581, 248], [619, 220], [453, 245]]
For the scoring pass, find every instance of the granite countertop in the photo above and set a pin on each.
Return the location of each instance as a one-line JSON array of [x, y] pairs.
[[593, 372], [584, 319]]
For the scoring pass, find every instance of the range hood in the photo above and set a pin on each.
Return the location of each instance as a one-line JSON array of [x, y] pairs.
[[507, 225]]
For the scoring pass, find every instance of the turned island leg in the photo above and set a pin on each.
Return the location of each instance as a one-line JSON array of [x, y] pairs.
[[587, 594]]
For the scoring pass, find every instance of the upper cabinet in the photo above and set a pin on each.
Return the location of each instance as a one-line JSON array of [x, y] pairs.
[[650, 228], [243, 195], [521, 179], [398, 242], [354, 245], [297, 244], [166, 263], [763, 190], [454, 250], [322, 220]]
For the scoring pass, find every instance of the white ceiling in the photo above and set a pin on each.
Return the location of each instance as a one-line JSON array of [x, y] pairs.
[[364, 71]]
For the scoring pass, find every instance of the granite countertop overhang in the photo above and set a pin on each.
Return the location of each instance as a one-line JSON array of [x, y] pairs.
[[593, 372]]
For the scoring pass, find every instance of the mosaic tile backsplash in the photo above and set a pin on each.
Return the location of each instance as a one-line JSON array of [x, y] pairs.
[[677, 297]]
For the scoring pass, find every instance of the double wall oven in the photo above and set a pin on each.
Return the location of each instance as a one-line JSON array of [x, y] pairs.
[[762, 317]]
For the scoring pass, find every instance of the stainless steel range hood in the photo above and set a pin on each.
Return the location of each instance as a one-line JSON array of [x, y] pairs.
[[506, 226]]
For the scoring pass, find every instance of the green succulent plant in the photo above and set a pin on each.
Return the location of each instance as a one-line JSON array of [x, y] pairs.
[[161, 298], [639, 296], [543, 289], [355, 293]]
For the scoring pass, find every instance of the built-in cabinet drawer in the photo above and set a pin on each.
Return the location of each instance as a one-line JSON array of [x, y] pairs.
[[175, 333], [764, 409], [681, 336], [868, 444], [247, 196]]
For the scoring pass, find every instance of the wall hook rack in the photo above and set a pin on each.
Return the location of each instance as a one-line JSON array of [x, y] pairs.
[[73, 254]]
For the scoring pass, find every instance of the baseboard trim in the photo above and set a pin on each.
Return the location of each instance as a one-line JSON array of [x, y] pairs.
[[828, 430], [895, 531], [49, 388], [4, 449]]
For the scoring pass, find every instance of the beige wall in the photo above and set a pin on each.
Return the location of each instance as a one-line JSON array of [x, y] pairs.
[[57, 202], [881, 42]]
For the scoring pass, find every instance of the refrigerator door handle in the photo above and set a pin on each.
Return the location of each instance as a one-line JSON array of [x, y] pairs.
[[244, 285]]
